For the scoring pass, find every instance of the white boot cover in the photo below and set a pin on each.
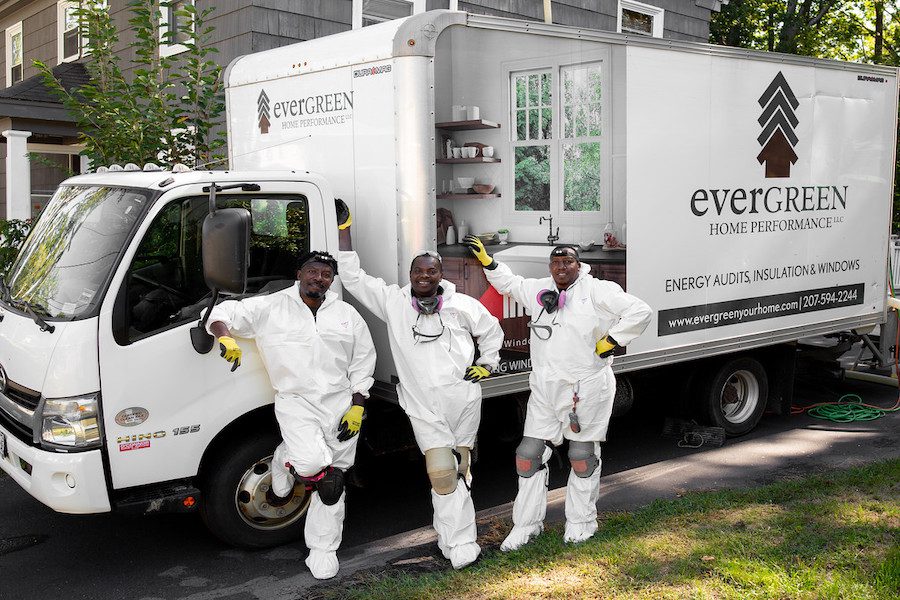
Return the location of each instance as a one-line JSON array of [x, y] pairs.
[[282, 480], [323, 532], [529, 510], [454, 522], [582, 494]]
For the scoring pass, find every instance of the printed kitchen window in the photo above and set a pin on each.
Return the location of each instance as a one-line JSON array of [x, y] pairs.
[[532, 94], [581, 137]]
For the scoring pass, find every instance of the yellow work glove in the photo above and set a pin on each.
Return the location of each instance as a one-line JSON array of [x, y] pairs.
[[605, 347], [350, 423], [477, 248], [344, 218], [476, 374], [230, 351]]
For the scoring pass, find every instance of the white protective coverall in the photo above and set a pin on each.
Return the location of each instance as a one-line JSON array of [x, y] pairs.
[[443, 408], [316, 364], [593, 309]]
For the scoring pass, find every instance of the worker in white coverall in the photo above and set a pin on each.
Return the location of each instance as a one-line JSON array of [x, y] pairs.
[[320, 358], [431, 329], [572, 383]]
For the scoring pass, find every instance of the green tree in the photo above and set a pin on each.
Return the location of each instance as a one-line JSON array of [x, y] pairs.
[[167, 109]]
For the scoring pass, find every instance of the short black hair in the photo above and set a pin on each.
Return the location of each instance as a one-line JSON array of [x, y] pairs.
[[317, 256], [428, 254], [562, 250]]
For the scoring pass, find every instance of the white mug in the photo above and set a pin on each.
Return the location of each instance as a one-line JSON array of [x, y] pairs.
[[487, 151], [457, 152], [473, 112], [471, 151]]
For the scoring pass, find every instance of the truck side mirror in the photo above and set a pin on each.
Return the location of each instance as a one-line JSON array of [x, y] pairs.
[[226, 254], [226, 250]]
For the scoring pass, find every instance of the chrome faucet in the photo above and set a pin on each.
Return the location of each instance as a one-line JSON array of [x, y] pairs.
[[550, 238]]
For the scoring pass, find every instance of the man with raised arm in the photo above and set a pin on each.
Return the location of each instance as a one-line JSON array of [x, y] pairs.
[[572, 383], [432, 331], [320, 359]]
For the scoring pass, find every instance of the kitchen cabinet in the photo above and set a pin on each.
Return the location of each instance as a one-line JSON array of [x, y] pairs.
[[611, 271], [466, 274]]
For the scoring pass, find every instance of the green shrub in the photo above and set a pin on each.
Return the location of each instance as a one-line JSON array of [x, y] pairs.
[[12, 234]]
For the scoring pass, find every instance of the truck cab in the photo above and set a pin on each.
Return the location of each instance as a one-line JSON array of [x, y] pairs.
[[104, 402]]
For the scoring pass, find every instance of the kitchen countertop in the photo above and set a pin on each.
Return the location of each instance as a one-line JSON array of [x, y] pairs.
[[596, 255]]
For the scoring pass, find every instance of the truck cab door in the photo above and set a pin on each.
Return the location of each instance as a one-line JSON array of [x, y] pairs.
[[163, 403]]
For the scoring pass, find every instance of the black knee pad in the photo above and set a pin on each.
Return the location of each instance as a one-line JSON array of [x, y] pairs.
[[331, 486], [583, 459], [529, 455]]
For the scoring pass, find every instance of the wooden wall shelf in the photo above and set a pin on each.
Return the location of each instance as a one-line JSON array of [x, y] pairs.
[[466, 196], [467, 125], [465, 161]]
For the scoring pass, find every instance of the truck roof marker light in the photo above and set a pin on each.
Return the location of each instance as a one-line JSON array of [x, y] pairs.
[[102, 169], [152, 167], [180, 168], [115, 168], [189, 502], [132, 167]]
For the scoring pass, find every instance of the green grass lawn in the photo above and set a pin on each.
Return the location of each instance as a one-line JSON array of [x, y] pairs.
[[826, 536]]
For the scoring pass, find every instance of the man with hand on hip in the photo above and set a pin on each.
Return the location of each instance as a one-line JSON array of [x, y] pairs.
[[572, 383], [320, 358], [432, 331]]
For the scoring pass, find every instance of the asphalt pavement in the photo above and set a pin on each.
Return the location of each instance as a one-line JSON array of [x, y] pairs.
[[48, 555]]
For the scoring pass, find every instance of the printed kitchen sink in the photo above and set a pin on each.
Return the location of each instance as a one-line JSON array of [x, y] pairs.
[[527, 261]]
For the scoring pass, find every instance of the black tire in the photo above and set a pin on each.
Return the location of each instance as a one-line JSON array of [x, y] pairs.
[[234, 504], [735, 395]]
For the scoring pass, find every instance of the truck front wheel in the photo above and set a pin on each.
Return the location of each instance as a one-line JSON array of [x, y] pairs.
[[735, 395], [237, 504]]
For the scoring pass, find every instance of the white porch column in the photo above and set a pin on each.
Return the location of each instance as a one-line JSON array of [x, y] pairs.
[[18, 175]]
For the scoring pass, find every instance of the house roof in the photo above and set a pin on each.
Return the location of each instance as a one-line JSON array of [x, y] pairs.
[[33, 99]]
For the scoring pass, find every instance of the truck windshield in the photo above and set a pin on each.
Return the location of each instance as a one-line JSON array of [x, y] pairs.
[[63, 266]]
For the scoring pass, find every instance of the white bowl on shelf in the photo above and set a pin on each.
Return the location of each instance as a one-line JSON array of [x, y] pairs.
[[465, 183]]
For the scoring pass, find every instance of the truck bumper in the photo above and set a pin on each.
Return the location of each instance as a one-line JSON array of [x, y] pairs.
[[67, 483]]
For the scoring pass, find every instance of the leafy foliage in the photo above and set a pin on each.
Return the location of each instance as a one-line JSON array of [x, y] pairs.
[[12, 234], [167, 109]]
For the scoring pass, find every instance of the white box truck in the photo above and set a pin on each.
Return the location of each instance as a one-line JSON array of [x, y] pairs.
[[755, 190]]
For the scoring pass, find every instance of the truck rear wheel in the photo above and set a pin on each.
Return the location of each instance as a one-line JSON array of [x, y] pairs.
[[237, 504], [735, 395]]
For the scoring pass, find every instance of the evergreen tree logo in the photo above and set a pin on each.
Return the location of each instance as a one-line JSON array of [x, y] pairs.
[[262, 111], [778, 121]]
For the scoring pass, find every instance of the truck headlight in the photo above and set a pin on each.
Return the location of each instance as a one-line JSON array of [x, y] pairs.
[[71, 422]]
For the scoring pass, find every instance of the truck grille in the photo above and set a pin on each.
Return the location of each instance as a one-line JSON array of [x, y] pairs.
[[23, 396], [26, 398]]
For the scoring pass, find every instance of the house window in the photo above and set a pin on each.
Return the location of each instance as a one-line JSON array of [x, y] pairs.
[[559, 132], [371, 12], [68, 47], [176, 26], [640, 18], [14, 54]]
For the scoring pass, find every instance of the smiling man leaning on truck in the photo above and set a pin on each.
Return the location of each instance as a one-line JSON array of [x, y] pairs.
[[320, 358], [432, 330]]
